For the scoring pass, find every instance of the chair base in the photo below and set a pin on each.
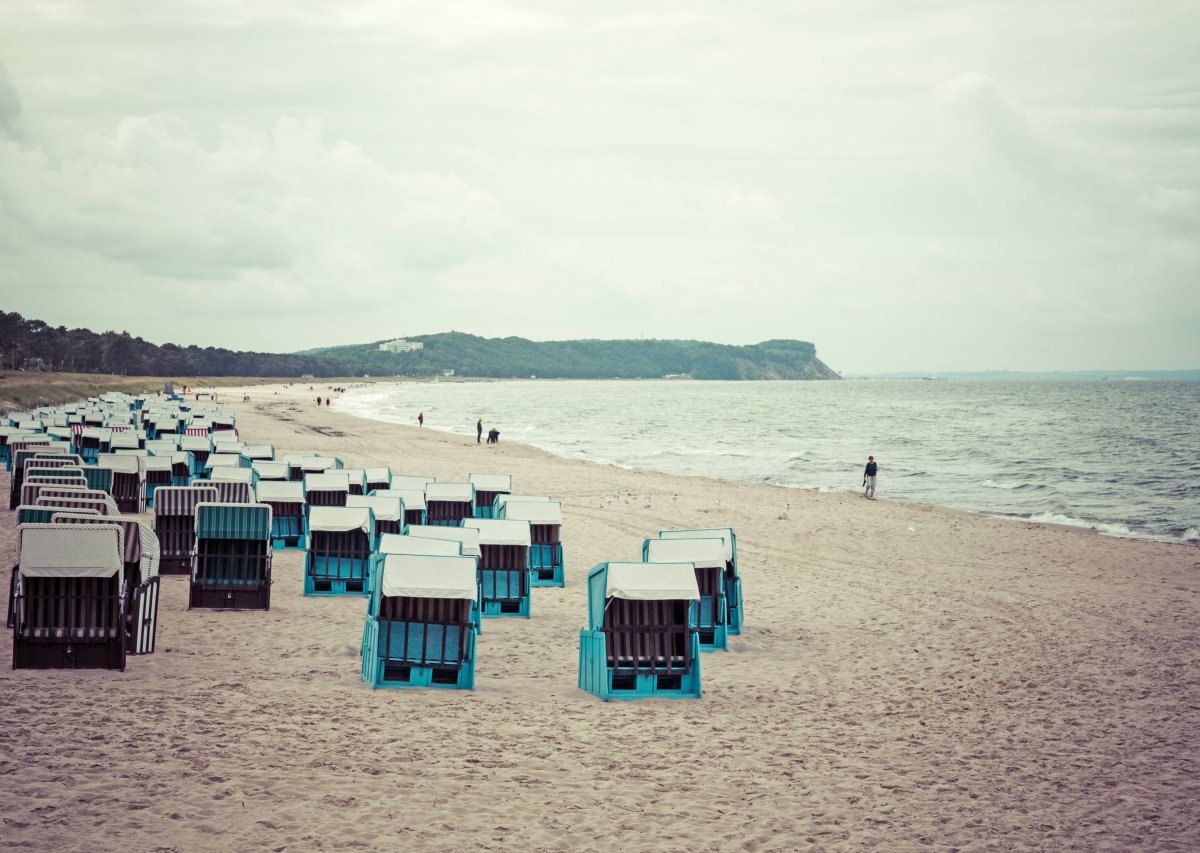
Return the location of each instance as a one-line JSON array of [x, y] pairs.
[[395, 674], [494, 608], [548, 576], [714, 639], [202, 597], [318, 587], [174, 565], [47, 654], [596, 677]]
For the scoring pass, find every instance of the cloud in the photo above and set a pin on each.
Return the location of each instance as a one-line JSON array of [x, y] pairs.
[[10, 103]]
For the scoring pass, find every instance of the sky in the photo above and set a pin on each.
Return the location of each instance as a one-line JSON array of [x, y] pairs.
[[908, 184]]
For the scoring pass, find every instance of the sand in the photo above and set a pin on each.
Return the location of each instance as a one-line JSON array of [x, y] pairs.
[[909, 677]]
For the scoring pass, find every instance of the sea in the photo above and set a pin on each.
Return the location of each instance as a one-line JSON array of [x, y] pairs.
[[1121, 457]]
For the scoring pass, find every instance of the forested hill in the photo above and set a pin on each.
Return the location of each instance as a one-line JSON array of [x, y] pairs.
[[469, 355], [34, 345]]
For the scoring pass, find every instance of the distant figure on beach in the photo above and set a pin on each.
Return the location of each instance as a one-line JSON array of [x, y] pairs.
[[326, 401], [493, 436], [479, 430], [421, 419], [318, 401], [869, 478]]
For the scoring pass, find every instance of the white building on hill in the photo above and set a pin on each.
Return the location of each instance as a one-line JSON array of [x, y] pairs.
[[400, 345]]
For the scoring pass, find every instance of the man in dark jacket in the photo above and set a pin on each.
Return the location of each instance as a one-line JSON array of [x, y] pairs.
[[869, 478]]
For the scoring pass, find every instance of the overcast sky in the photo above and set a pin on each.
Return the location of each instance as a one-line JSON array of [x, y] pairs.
[[913, 185]]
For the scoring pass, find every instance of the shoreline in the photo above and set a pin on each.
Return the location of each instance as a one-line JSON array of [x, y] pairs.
[[1113, 530], [908, 676]]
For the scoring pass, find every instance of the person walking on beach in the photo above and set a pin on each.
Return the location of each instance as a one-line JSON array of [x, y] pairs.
[[421, 419], [479, 431], [869, 478]]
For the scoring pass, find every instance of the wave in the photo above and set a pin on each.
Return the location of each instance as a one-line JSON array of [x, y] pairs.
[[1103, 527]]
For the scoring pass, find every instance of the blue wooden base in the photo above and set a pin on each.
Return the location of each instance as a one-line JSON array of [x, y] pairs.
[[381, 672], [596, 677]]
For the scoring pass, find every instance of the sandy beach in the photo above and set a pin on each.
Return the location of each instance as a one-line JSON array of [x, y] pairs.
[[909, 677]]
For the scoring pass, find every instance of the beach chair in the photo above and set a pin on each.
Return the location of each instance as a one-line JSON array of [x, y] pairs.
[[402, 543], [467, 538], [447, 504], [128, 486], [545, 533], [301, 466], [219, 460], [487, 487], [420, 623], [389, 512], [140, 555], [286, 500], [68, 606], [232, 491], [200, 448], [378, 478], [231, 562], [89, 443], [175, 525], [733, 580], [641, 640], [329, 489], [158, 473], [341, 544], [411, 481], [504, 574], [258, 453], [269, 470], [413, 501], [356, 479], [44, 514], [103, 505], [502, 499], [708, 556]]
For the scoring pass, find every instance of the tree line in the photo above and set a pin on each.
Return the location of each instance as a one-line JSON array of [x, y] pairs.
[[34, 345]]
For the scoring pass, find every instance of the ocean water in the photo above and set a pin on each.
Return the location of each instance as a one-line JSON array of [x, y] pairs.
[[1122, 457]]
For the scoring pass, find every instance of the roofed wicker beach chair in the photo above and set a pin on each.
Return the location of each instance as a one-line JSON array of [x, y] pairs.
[[356, 478], [402, 543], [341, 546], [378, 478], [329, 489], [89, 443], [502, 499], [288, 512], [641, 640], [299, 466], [421, 623], [708, 556], [545, 532], [411, 481], [231, 562], [200, 448], [104, 505], [413, 501], [487, 487], [158, 473], [269, 470], [504, 575], [141, 577], [447, 504], [128, 486], [68, 606], [466, 537], [733, 580], [389, 512], [175, 525]]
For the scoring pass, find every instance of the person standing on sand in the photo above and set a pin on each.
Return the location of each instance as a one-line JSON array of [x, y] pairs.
[[421, 419], [479, 431], [869, 478]]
